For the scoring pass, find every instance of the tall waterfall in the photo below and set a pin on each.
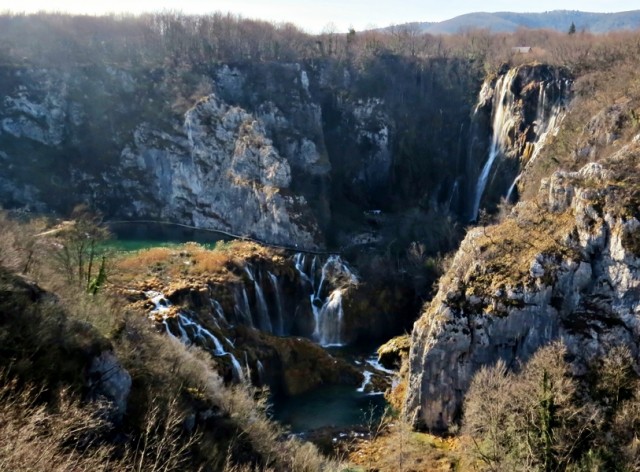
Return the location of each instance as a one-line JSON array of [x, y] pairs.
[[502, 123], [527, 106], [548, 119]]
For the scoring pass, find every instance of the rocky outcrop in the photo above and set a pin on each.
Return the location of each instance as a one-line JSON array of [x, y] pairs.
[[290, 152], [107, 379], [134, 153], [224, 174], [563, 267], [44, 345], [393, 352], [516, 111]]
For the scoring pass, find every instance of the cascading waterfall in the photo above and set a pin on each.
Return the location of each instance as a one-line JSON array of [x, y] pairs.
[[242, 308], [238, 375], [328, 313], [279, 309], [298, 261], [219, 317], [323, 280], [191, 331], [329, 322], [264, 321], [547, 124], [502, 124], [200, 333]]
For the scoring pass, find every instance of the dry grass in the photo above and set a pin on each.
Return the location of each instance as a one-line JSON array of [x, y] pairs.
[[399, 449], [69, 436], [500, 256], [34, 437], [189, 261], [170, 369]]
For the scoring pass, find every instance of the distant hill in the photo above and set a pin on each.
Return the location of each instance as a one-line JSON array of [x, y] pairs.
[[558, 20]]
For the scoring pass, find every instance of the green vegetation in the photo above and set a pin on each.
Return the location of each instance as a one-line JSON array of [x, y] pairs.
[[57, 317], [178, 414], [545, 419]]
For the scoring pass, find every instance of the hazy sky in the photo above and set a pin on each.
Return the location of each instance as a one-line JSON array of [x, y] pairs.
[[315, 15]]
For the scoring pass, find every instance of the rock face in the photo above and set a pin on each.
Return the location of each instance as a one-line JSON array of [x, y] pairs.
[[516, 112], [224, 173], [108, 379], [283, 151], [565, 267]]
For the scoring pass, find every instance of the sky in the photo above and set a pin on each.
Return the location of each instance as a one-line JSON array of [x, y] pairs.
[[316, 16]]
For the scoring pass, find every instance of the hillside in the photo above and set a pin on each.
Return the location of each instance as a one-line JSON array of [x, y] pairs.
[[475, 209], [559, 20]]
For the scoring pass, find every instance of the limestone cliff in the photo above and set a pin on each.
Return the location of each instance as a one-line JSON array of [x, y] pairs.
[[285, 151], [565, 265], [517, 111], [212, 166]]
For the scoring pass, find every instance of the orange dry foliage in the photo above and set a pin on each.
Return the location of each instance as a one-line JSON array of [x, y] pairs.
[[189, 261]]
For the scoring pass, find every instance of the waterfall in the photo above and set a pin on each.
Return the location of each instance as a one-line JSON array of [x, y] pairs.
[[329, 327], [238, 376], [510, 124], [513, 187], [502, 124], [184, 337], [328, 313], [242, 307], [160, 303], [264, 322], [219, 317], [260, 369], [547, 123], [191, 331], [263, 310], [167, 330], [202, 333], [367, 379], [314, 270], [298, 261], [279, 310]]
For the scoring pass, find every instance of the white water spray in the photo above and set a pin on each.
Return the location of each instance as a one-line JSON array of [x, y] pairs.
[[502, 124]]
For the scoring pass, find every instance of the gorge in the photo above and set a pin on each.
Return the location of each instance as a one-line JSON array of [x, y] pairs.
[[328, 198]]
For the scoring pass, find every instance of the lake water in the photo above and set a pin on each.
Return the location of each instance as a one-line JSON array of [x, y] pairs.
[[331, 406], [136, 236]]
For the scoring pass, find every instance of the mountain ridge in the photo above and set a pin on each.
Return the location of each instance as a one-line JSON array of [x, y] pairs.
[[559, 20]]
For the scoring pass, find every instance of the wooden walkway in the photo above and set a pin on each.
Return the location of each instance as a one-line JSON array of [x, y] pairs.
[[227, 234]]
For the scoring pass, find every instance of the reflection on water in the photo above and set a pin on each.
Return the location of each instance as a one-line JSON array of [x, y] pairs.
[[330, 406], [334, 406], [136, 236]]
